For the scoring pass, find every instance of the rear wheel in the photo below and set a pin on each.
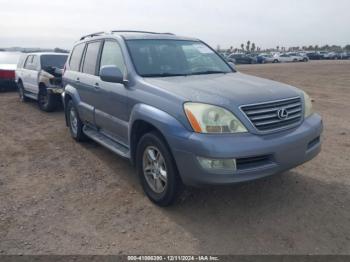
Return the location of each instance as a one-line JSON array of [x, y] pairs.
[[74, 122], [21, 94], [157, 170], [46, 100]]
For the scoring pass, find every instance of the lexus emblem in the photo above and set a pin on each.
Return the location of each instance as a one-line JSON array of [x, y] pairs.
[[282, 113]]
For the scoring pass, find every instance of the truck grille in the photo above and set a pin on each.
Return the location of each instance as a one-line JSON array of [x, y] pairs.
[[275, 115]]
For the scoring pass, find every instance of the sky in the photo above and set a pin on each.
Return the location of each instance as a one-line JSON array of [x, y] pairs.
[[267, 23]]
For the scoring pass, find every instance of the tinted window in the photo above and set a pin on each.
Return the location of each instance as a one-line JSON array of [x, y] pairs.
[[57, 61], [112, 55], [75, 58], [90, 60], [28, 62]]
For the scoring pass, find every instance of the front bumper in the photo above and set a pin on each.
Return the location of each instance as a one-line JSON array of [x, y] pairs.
[[275, 153]]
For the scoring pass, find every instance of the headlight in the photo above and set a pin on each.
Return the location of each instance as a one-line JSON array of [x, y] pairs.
[[206, 118], [308, 105]]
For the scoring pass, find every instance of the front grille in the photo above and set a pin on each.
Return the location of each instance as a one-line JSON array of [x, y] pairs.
[[265, 116]]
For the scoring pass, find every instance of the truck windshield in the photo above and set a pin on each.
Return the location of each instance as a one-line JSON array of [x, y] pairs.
[[57, 61], [162, 58]]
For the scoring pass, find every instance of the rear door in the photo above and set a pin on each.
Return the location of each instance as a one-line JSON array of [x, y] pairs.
[[25, 74], [88, 79], [33, 74], [73, 77], [111, 98]]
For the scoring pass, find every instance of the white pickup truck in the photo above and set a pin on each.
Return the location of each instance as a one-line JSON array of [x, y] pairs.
[[39, 77]]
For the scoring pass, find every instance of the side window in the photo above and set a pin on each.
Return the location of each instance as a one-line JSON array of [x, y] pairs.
[[28, 62], [112, 55], [90, 61], [35, 62], [75, 58]]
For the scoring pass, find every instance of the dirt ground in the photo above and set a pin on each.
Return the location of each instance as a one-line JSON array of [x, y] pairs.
[[61, 197]]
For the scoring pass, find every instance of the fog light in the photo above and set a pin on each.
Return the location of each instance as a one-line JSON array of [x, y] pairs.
[[218, 164]]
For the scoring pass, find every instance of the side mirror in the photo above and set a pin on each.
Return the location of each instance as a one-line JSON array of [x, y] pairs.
[[232, 65], [111, 74]]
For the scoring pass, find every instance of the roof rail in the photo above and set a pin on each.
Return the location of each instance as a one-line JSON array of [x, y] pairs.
[[92, 35], [135, 31]]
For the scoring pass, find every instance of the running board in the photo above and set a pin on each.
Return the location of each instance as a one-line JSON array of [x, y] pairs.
[[115, 147]]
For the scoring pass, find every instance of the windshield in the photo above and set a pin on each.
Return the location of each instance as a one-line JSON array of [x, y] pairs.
[[57, 61], [159, 57]]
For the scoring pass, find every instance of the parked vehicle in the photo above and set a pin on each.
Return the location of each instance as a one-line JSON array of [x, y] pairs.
[[283, 58], [314, 56], [345, 55], [332, 55], [267, 58], [8, 64], [299, 56], [39, 77], [177, 110], [241, 59]]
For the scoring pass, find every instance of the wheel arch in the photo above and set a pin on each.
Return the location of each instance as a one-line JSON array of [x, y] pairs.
[[146, 118]]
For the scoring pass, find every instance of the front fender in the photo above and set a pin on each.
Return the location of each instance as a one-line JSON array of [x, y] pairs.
[[172, 130]]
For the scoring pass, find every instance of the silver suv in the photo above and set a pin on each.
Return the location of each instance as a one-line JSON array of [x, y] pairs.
[[182, 114], [39, 77]]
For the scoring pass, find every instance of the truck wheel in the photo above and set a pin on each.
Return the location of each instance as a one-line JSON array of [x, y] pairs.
[[74, 122], [22, 96], [157, 170], [47, 101]]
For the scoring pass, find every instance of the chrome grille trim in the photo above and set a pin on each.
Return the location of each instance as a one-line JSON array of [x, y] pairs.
[[264, 116]]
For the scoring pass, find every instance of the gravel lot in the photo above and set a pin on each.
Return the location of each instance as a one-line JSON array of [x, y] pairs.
[[60, 197]]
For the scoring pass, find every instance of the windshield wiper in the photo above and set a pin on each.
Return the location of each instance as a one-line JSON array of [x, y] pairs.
[[209, 72], [163, 75]]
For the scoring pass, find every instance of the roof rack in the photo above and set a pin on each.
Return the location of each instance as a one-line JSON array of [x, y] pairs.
[[92, 35], [142, 32], [122, 31]]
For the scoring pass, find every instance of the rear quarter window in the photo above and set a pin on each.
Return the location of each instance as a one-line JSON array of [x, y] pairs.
[[74, 62]]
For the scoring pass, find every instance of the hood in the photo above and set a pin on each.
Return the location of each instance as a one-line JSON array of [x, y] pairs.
[[225, 89]]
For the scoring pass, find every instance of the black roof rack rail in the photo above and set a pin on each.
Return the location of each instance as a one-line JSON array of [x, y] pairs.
[[92, 35], [135, 31]]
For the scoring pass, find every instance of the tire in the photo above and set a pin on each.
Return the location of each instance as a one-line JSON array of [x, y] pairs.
[[75, 125], [21, 94], [157, 171], [275, 61], [295, 60], [305, 60], [47, 101]]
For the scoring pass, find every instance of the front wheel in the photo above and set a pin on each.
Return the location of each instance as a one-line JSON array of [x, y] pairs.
[[21, 94], [74, 123], [157, 170]]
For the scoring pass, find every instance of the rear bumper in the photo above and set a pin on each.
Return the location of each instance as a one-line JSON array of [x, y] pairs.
[[8, 84], [280, 152]]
